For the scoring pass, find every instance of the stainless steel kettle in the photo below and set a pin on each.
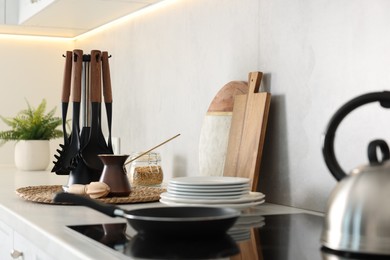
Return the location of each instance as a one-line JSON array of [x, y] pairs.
[[357, 216]]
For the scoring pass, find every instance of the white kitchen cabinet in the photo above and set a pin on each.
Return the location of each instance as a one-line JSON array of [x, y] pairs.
[[14, 246], [6, 241], [63, 18], [2, 11], [29, 250]]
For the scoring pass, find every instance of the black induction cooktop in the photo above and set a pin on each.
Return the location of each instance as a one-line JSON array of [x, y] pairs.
[[286, 236], [273, 237]]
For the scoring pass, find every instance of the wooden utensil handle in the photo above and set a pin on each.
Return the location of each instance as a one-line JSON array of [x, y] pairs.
[[247, 132], [96, 95], [107, 91], [254, 81], [67, 77], [77, 71]]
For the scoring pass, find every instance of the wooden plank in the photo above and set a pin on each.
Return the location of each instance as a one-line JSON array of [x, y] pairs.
[[251, 248], [247, 132]]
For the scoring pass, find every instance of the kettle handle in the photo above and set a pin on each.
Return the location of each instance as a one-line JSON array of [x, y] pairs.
[[328, 140]]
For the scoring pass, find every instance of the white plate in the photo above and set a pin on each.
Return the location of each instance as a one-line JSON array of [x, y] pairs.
[[250, 197], [209, 180], [190, 188], [239, 235], [235, 206], [248, 226], [207, 194], [249, 220], [252, 212], [194, 197]]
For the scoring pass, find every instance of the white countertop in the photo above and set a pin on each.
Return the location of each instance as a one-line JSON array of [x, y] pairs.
[[45, 224]]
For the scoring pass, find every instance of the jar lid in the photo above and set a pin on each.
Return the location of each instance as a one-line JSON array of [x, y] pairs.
[[151, 157]]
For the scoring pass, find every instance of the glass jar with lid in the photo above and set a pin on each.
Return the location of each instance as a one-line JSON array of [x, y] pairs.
[[146, 170]]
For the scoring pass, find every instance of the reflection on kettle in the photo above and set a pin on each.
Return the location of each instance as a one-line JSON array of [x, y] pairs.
[[357, 214]]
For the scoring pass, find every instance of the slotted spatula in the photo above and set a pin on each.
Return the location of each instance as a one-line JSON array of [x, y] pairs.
[[74, 144], [59, 166]]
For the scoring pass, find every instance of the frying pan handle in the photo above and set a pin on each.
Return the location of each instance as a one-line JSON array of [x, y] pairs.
[[109, 210], [328, 142]]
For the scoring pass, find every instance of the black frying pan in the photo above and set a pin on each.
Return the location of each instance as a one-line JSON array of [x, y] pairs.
[[165, 221]]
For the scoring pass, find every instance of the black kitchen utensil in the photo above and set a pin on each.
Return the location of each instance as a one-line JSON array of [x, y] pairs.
[[74, 145], [107, 93], [82, 174], [59, 167], [96, 143], [165, 221], [85, 93]]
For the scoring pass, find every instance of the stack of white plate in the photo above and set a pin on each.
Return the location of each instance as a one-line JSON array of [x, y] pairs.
[[233, 192]]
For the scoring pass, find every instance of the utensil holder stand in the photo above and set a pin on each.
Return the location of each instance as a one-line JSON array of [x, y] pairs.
[[82, 173]]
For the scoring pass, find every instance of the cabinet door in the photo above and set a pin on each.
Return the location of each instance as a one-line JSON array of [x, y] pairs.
[[29, 250], [5, 241]]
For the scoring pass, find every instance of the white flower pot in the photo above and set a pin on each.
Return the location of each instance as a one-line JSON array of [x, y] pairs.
[[32, 155]]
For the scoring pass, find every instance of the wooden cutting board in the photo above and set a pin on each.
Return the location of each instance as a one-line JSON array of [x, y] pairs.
[[251, 248], [247, 132], [215, 129]]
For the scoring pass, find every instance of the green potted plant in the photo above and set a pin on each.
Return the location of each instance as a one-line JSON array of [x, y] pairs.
[[32, 129]]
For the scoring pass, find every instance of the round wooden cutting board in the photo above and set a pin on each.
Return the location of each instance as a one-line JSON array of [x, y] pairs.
[[214, 134]]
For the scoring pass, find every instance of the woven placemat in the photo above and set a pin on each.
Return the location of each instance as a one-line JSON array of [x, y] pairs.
[[45, 193]]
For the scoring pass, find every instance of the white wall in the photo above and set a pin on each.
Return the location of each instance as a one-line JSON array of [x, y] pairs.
[[167, 65], [316, 55], [31, 69]]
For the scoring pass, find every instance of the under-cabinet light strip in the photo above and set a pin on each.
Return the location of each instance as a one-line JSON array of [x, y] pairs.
[[146, 10], [33, 37]]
